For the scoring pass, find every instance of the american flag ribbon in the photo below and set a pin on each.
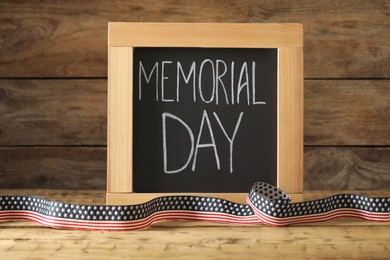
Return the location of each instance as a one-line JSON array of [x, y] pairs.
[[266, 204]]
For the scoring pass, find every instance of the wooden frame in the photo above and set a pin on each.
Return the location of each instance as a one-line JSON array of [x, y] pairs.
[[124, 37]]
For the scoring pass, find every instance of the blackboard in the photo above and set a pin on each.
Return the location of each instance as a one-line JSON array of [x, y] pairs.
[[153, 129], [204, 119]]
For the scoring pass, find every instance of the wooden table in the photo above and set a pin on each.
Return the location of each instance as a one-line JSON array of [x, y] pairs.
[[341, 238]]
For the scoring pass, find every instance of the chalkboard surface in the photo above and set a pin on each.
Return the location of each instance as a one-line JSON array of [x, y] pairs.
[[204, 120]]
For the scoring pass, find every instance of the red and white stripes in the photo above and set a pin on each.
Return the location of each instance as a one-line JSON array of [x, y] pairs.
[[266, 204]]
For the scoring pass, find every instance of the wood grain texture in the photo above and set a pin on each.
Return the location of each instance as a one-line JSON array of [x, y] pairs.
[[120, 120], [221, 35], [343, 39], [53, 112], [347, 168], [341, 238], [136, 198], [290, 120], [73, 112], [347, 112], [40, 38], [23, 241], [85, 168], [53, 167]]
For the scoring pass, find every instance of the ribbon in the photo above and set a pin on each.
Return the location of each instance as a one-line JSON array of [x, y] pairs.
[[266, 204]]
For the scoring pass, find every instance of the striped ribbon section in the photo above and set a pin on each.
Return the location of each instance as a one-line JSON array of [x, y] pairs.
[[266, 204]]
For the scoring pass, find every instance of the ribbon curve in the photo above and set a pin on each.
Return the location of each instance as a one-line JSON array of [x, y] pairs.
[[266, 204]]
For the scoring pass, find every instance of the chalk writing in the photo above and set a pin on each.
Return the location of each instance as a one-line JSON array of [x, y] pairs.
[[217, 69], [204, 112], [244, 87]]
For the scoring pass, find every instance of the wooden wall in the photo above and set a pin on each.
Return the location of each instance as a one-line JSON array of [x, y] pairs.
[[53, 85]]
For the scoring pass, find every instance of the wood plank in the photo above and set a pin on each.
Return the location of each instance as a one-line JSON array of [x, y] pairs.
[[70, 40], [137, 198], [120, 116], [73, 112], [85, 168], [53, 112], [343, 39], [347, 168], [178, 242], [290, 120], [221, 35], [53, 167], [347, 112]]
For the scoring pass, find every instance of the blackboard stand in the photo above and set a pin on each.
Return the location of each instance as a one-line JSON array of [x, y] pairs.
[[124, 100]]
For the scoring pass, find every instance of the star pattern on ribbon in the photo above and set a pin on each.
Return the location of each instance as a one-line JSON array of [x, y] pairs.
[[266, 204]]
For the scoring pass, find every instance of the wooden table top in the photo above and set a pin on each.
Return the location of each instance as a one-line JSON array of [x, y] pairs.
[[340, 238]]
